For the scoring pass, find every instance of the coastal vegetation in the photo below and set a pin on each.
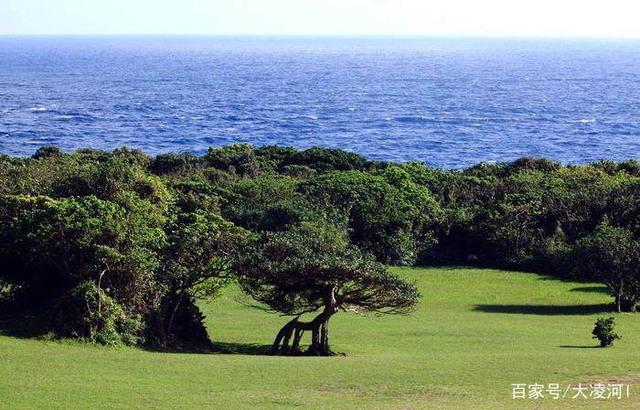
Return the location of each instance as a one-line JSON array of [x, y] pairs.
[[119, 247]]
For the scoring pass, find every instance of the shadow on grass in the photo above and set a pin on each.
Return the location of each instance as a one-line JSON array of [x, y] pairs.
[[25, 327], [580, 347], [248, 349], [31, 327], [591, 289], [545, 310]]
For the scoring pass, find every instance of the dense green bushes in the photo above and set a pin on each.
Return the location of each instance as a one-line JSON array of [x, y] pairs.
[[158, 233], [385, 213], [87, 312], [51, 244], [604, 331]]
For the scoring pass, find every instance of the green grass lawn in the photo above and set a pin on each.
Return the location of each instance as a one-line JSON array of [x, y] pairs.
[[474, 334]]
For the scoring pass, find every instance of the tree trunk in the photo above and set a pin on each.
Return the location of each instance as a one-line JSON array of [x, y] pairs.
[[620, 297], [315, 340], [627, 305], [324, 337], [320, 325], [173, 313], [284, 335], [295, 346], [319, 328]]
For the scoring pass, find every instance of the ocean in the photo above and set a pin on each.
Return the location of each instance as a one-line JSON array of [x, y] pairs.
[[448, 102]]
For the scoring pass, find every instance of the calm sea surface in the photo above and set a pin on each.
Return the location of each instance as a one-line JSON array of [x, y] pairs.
[[448, 102]]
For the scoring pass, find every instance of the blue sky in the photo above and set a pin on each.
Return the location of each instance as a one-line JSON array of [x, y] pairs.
[[550, 18]]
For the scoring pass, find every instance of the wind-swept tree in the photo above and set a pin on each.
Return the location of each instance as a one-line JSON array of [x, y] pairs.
[[313, 269]]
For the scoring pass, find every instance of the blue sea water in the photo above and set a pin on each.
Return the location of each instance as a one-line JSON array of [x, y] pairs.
[[448, 102]]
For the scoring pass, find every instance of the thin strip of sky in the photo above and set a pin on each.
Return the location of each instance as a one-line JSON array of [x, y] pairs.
[[527, 18]]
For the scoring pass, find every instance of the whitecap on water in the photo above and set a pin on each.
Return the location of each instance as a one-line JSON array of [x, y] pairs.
[[582, 121]]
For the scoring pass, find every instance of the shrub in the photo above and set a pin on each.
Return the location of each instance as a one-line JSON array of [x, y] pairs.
[[166, 164], [47, 152], [188, 332], [604, 331], [152, 225], [86, 312], [237, 159], [49, 246], [387, 215], [6, 291], [328, 159], [266, 204]]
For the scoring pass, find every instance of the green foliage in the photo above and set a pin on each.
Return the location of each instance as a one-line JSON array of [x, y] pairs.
[[604, 331], [386, 214], [47, 152], [172, 164], [237, 159], [118, 179], [202, 246], [195, 264], [87, 312], [7, 291], [163, 231], [612, 255], [291, 271], [267, 203], [282, 159], [51, 244], [326, 159]]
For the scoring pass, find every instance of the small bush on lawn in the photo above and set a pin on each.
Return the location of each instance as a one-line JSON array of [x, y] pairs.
[[604, 331]]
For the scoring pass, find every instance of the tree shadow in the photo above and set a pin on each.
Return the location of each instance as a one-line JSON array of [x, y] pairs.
[[591, 289], [33, 327], [579, 347], [24, 327], [253, 349], [546, 310], [247, 349], [224, 348]]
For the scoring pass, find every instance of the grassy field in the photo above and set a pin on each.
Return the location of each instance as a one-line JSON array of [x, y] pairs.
[[474, 334]]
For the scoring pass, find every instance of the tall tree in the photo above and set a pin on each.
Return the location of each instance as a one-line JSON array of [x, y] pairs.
[[612, 256], [198, 260]]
